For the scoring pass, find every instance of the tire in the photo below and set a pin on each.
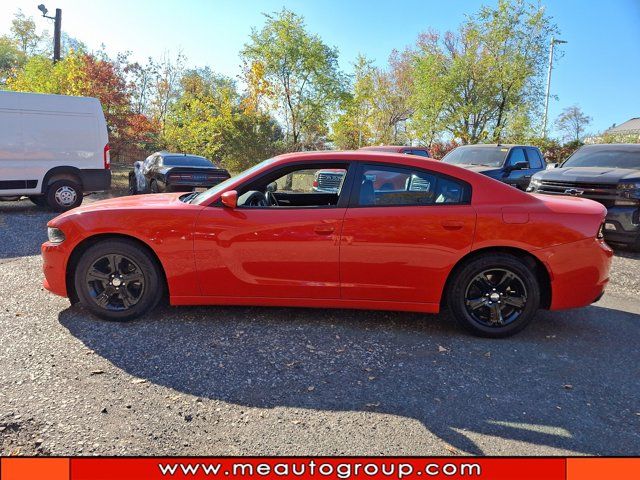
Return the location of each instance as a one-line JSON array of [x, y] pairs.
[[39, 200], [133, 186], [64, 195], [154, 188], [495, 295], [139, 285]]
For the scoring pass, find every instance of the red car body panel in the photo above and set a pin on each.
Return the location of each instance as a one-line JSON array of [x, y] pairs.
[[388, 258]]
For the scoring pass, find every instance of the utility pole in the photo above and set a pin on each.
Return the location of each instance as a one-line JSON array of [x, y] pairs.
[[57, 29], [546, 97]]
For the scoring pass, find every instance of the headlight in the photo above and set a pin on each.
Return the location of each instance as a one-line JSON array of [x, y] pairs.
[[55, 235], [534, 184], [628, 193]]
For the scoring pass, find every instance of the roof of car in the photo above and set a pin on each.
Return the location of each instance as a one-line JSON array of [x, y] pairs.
[[391, 148], [170, 154], [496, 145], [617, 146]]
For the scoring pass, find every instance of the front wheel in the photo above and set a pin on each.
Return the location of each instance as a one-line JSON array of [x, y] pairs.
[[117, 280], [495, 295]]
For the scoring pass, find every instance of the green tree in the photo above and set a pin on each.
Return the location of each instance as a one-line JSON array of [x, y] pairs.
[[23, 31], [572, 122], [208, 118], [483, 82], [301, 81], [11, 58]]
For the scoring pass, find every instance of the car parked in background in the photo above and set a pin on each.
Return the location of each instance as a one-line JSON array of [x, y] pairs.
[[174, 172], [511, 164], [608, 174], [53, 148], [330, 180], [419, 151], [492, 254]]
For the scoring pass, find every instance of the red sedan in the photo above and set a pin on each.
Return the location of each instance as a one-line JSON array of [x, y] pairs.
[[449, 237]]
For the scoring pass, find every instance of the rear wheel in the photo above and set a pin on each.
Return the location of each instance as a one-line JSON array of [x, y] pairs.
[[64, 195], [117, 280], [495, 295]]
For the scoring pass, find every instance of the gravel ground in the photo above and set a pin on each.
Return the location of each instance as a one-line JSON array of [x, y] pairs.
[[213, 381]]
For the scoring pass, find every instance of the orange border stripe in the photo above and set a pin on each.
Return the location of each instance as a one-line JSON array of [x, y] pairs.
[[603, 468], [35, 468]]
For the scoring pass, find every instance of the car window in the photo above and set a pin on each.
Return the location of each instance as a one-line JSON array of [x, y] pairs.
[[535, 160], [517, 155], [386, 185], [420, 153], [477, 155], [312, 181]]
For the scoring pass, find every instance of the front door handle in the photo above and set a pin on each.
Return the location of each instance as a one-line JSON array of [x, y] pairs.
[[452, 225], [324, 229]]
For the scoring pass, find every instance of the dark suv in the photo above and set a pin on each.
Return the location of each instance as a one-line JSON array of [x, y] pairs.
[[609, 174], [512, 164]]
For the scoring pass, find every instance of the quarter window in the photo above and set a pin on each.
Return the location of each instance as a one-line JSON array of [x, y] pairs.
[[386, 185]]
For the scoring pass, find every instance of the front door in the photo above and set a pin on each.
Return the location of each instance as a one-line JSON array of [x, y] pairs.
[[399, 244], [264, 248]]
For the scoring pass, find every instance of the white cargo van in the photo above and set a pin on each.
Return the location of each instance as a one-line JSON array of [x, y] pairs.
[[53, 148]]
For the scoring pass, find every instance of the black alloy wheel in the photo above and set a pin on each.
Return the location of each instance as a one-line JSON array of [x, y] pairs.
[[496, 297], [115, 282], [118, 279]]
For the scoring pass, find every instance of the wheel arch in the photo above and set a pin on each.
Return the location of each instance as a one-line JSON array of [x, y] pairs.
[[533, 262], [92, 240], [61, 173]]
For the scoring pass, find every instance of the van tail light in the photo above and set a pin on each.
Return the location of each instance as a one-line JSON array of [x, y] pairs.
[[106, 157]]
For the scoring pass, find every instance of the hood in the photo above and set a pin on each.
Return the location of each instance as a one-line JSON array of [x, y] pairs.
[[589, 174], [151, 201]]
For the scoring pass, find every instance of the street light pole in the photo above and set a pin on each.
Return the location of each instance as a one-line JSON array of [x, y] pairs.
[[546, 97], [57, 29]]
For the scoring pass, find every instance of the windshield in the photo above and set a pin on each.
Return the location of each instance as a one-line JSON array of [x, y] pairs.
[[207, 194], [601, 157], [485, 156], [186, 162]]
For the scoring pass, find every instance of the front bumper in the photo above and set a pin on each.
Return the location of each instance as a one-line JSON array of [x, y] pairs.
[[622, 225], [54, 267]]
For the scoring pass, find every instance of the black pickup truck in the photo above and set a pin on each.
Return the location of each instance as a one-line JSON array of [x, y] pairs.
[[609, 174]]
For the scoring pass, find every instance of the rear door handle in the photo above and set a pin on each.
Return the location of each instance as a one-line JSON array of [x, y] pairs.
[[452, 225], [324, 229]]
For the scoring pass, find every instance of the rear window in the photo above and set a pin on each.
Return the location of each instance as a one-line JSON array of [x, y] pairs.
[[186, 161], [485, 156], [604, 157]]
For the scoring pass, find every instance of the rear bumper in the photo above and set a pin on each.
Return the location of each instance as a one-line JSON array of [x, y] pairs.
[[579, 272], [95, 180]]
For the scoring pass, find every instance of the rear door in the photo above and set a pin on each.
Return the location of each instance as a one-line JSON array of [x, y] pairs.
[[399, 245]]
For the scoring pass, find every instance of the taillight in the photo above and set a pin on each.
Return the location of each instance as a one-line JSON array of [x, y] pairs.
[[106, 157]]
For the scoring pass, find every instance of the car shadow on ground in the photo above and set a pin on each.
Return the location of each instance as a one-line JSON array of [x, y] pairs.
[[551, 385]]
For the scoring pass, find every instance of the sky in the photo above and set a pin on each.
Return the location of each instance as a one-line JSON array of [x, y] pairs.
[[599, 69]]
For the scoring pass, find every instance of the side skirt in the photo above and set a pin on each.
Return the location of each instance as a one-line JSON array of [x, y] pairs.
[[307, 302]]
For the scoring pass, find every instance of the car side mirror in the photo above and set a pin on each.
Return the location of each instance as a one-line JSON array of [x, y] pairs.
[[520, 166], [229, 199], [272, 187]]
